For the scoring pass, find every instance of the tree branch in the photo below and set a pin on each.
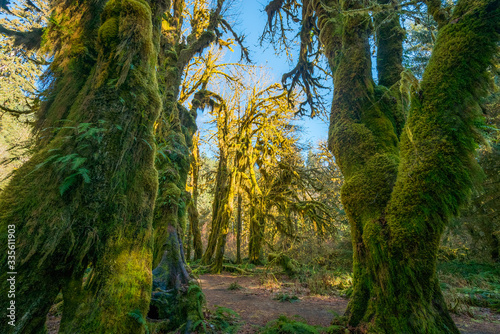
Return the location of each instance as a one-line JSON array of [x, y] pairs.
[[197, 46], [16, 112], [28, 39], [239, 39], [4, 5], [438, 13]]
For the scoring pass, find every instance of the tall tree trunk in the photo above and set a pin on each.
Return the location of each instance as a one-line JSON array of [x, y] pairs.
[[224, 216], [222, 212], [96, 173], [174, 298], [401, 187], [224, 195], [495, 247], [188, 242], [256, 233], [238, 231], [221, 190], [256, 212], [193, 210]]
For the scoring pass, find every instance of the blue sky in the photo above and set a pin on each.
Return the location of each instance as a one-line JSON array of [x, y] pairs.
[[249, 18]]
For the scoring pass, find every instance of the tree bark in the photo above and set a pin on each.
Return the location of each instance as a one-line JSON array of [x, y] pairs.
[[193, 213], [223, 201], [256, 233], [221, 191], [96, 173], [172, 297], [238, 231], [402, 184]]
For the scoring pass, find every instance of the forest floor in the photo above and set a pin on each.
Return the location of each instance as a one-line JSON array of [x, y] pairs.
[[259, 299]]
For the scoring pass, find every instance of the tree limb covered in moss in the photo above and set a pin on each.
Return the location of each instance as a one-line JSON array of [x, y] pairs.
[[29, 39], [196, 47], [15, 112], [435, 8]]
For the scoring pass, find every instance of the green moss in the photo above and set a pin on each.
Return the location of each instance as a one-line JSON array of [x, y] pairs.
[[181, 308], [174, 133], [290, 266], [108, 32], [106, 222], [390, 37], [399, 196], [284, 325]]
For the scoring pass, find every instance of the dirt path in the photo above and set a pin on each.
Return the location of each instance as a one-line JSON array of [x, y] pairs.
[[255, 304]]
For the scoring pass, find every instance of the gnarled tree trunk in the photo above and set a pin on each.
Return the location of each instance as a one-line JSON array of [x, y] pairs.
[[86, 197], [402, 184], [222, 208]]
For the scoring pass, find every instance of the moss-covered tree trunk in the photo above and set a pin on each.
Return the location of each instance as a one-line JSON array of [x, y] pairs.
[[254, 249], [256, 236], [495, 247], [222, 209], [86, 196], [188, 237], [239, 227], [176, 298], [402, 184], [224, 215], [256, 226], [221, 191], [172, 298], [193, 209]]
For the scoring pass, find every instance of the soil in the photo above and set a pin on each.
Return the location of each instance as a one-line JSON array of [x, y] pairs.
[[253, 298]]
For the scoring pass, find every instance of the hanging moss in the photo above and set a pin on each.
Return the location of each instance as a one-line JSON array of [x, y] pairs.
[[172, 299], [193, 205], [97, 175], [404, 181]]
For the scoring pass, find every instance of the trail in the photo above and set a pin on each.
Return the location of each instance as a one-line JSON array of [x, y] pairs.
[[255, 304]]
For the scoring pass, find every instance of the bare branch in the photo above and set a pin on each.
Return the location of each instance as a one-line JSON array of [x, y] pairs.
[[303, 73], [239, 39]]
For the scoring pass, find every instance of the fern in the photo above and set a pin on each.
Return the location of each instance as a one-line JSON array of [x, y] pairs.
[[67, 183], [137, 316]]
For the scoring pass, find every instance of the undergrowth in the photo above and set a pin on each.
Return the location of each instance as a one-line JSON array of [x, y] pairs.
[[285, 325], [285, 297], [223, 320], [234, 286], [297, 325]]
